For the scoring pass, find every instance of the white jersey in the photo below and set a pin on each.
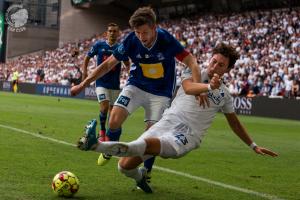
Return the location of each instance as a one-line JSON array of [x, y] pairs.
[[184, 124], [197, 118]]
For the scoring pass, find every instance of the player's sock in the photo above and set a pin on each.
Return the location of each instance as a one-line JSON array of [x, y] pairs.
[[122, 149], [131, 173], [114, 134], [148, 164], [102, 118], [137, 147]]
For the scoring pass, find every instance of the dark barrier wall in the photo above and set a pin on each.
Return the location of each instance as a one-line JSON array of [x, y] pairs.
[[278, 108], [5, 86], [268, 107], [55, 90], [28, 88]]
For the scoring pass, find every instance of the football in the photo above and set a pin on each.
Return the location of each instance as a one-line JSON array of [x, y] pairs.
[[65, 184]]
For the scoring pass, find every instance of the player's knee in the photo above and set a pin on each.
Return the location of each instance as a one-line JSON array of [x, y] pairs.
[[104, 106], [123, 167]]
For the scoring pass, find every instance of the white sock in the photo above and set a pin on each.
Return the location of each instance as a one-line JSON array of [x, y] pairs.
[[135, 173], [135, 148]]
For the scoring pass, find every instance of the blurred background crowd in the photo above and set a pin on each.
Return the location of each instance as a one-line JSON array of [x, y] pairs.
[[268, 42]]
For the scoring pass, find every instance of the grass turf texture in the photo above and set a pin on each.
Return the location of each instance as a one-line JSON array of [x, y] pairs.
[[28, 164]]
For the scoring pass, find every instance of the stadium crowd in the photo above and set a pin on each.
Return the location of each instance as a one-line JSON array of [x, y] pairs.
[[268, 41]]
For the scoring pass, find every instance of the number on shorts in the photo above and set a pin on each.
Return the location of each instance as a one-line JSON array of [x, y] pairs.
[[180, 137]]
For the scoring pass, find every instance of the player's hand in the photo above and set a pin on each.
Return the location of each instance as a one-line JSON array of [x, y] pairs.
[[264, 151], [215, 81], [203, 100], [76, 89]]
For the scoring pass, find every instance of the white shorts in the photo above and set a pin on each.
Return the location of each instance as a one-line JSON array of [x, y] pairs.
[[176, 138], [104, 94], [132, 98]]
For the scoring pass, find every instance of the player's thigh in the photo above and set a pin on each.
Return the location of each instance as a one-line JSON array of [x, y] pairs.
[[130, 98], [154, 107]]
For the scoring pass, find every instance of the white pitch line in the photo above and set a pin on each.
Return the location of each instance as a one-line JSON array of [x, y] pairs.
[[224, 185]]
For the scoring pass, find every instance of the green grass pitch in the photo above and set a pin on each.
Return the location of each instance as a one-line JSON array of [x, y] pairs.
[[28, 163]]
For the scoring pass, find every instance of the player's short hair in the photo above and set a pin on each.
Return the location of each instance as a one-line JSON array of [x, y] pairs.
[[143, 15], [113, 25], [228, 51]]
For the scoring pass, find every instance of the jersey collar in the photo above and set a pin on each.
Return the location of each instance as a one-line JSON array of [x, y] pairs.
[[106, 41], [153, 42]]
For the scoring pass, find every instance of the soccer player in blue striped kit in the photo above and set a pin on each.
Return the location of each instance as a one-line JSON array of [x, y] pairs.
[[107, 86], [152, 78]]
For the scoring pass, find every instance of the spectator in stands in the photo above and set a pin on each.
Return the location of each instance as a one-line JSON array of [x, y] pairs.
[[266, 88], [278, 87], [295, 89]]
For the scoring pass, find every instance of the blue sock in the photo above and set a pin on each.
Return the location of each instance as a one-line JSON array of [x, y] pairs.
[[102, 117], [149, 163], [114, 134]]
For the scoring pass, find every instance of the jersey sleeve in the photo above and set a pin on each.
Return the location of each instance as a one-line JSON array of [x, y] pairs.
[[228, 105], [93, 50], [121, 53], [177, 49]]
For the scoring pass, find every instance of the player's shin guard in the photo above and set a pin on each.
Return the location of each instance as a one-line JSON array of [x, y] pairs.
[[114, 134]]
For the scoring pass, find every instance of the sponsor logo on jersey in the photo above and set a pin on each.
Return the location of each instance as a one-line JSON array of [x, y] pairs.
[[153, 71], [160, 56], [216, 96]]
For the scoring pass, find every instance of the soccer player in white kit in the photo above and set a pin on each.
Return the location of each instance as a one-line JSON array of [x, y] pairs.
[[183, 125]]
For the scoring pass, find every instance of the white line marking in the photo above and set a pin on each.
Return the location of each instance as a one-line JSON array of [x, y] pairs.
[[231, 187]]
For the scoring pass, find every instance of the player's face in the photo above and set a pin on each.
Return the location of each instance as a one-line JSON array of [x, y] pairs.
[[112, 33], [146, 34], [218, 64]]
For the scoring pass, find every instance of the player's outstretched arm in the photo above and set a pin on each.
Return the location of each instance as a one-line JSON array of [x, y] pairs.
[[191, 62], [101, 70], [85, 66], [241, 132]]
